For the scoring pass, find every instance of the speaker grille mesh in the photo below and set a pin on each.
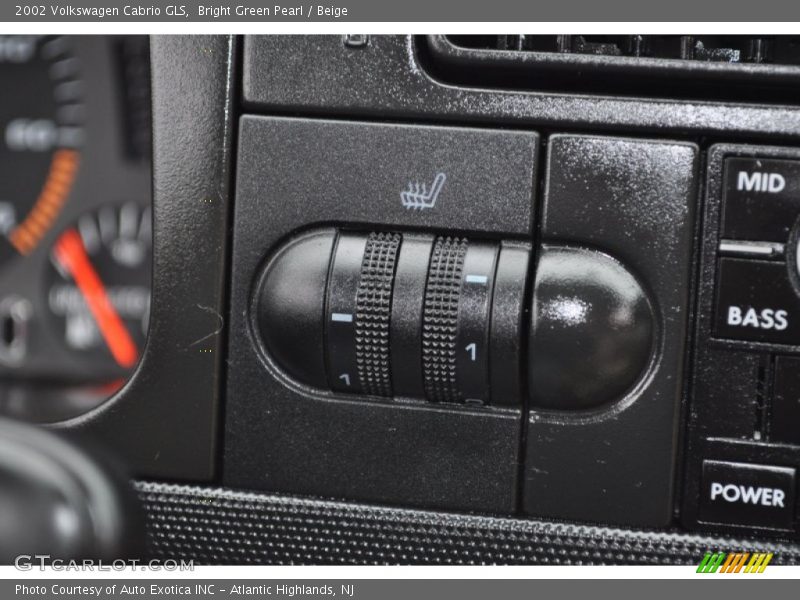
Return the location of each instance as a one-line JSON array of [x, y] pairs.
[[219, 526]]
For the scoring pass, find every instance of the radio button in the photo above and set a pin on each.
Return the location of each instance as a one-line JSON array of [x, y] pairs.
[[756, 302], [761, 199], [750, 495]]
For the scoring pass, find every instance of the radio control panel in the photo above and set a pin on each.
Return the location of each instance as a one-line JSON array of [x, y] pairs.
[[744, 416]]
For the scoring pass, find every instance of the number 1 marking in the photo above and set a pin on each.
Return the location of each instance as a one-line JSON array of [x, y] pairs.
[[473, 350], [346, 378]]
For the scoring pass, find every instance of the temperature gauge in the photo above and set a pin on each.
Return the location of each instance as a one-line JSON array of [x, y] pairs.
[[98, 289]]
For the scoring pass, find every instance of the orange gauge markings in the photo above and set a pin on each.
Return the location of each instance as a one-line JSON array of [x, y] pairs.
[[60, 177]]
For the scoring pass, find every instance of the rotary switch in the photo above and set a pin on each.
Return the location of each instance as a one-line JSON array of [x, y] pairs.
[[456, 321], [397, 315], [446, 319], [358, 313]]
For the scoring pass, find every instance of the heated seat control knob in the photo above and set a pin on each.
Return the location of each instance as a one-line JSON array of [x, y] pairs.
[[358, 311], [448, 319], [400, 315], [456, 321]]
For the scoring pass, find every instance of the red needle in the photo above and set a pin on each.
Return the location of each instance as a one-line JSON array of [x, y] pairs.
[[71, 254]]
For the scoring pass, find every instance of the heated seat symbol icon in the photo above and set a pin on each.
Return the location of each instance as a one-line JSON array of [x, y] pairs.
[[419, 197]]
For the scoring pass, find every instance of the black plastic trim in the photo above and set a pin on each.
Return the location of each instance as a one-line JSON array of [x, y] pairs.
[[163, 423]]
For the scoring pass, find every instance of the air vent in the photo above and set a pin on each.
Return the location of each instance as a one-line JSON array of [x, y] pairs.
[[780, 50], [736, 67]]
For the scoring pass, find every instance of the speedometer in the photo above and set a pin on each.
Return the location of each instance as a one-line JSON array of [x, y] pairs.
[[41, 114]]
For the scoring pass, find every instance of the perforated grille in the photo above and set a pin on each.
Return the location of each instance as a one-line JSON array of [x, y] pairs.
[[440, 319], [220, 526], [373, 310]]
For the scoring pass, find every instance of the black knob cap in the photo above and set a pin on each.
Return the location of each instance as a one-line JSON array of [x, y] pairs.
[[592, 330], [63, 499]]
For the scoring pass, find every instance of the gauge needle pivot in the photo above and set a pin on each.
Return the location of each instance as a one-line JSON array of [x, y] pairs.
[[71, 255]]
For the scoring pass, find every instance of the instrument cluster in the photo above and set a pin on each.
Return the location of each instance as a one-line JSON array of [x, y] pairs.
[[75, 220]]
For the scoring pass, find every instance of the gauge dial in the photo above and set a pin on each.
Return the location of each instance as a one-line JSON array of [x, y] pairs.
[[41, 127], [99, 286]]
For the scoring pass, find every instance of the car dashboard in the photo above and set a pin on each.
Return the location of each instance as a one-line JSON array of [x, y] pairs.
[[385, 299]]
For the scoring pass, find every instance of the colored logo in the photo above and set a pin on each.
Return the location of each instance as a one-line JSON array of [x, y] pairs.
[[737, 562]]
